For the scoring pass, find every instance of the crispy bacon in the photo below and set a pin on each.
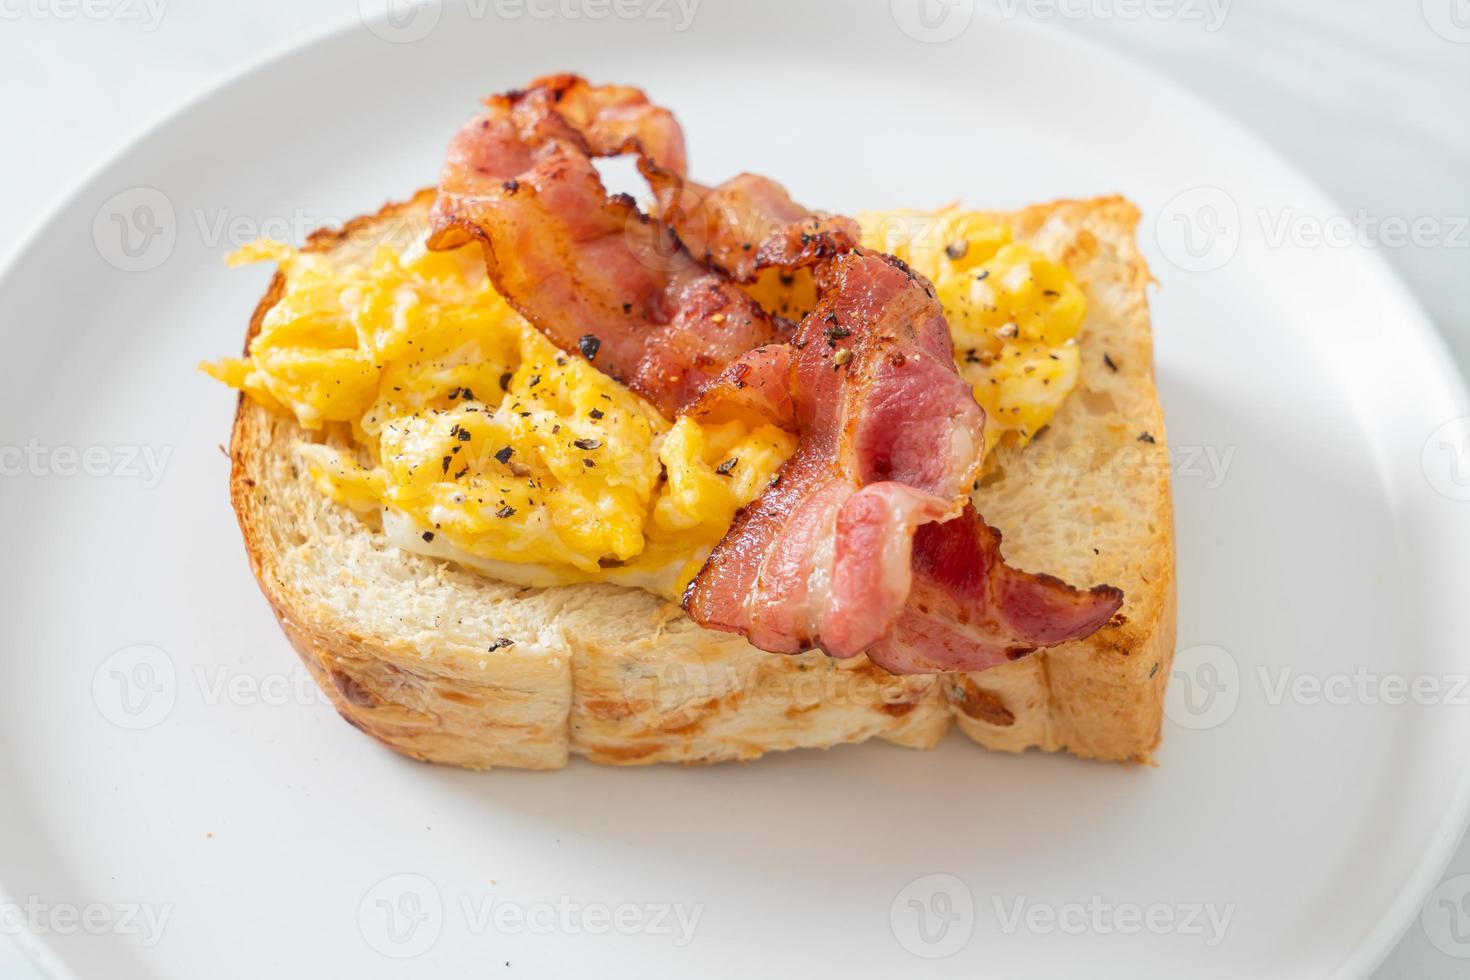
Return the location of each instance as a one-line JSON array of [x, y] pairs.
[[591, 271], [747, 224], [969, 610], [867, 541], [757, 384], [890, 439]]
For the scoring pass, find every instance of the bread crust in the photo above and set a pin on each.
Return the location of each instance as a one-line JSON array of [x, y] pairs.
[[409, 649]]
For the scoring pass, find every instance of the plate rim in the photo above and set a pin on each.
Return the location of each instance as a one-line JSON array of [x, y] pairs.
[[1373, 948]]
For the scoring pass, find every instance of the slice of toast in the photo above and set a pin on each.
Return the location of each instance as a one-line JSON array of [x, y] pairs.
[[411, 649]]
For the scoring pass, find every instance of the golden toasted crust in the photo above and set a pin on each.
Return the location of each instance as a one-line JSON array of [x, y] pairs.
[[412, 650], [1089, 501]]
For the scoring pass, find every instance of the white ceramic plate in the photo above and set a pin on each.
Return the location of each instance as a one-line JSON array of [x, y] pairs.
[[179, 804]]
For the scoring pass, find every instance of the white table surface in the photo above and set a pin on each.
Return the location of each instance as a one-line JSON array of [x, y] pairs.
[[1370, 98]]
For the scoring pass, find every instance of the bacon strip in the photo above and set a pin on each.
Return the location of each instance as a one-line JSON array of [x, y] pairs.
[[969, 610], [757, 384], [867, 541], [747, 224], [590, 271], [890, 439]]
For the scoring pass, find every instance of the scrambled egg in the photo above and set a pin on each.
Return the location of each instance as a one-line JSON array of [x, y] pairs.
[[475, 439], [1014, 315]]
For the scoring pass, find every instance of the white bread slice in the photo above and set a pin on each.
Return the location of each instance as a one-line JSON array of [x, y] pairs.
[[410, 649]]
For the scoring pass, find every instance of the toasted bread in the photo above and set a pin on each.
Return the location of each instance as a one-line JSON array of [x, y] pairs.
[[412, 650]]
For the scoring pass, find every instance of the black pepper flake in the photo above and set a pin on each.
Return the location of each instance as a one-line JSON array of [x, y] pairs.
[[444, 463], [464, 435], [455, 393], [596, 413], [500, 643], [535, 380], [957, 250], [461, 473], [627, 307], [588, 345], [984, 274], [724, 468], [505, 511], [588, 463], [1153, 670], [587, 443], [1052, 293], [1146, 437], [511, 186], [1109, 362], [428, 535], [505, 381], [504, 455]]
